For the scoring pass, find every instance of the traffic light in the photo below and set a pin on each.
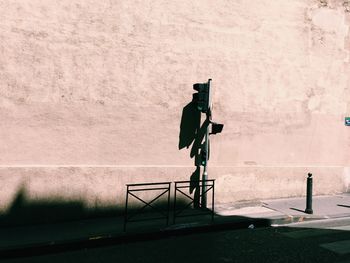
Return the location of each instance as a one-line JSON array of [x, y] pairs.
[[203, 158], [216, 128], [202, 97]]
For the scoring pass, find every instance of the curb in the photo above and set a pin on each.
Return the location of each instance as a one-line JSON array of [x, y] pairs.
[[52, 247], [289, 219], [110, 239]]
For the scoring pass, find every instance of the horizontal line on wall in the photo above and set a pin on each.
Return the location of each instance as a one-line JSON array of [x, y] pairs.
[[165, 166], [90, 165]]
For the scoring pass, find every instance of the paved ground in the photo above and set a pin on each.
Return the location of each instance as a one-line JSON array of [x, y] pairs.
[[296, 243], [323, 206], [96, 233]]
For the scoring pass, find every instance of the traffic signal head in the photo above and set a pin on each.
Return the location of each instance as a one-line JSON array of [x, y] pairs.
[[216, 128], [202, 97], [203, 157]]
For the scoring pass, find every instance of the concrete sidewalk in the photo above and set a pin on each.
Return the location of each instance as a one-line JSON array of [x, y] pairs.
[[38, 239], [334, 206]]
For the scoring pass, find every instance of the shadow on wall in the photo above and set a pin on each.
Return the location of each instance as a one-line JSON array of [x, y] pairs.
[[192, 132], [25, 211]]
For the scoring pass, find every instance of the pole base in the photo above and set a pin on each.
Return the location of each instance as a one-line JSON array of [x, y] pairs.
[[309, 211]]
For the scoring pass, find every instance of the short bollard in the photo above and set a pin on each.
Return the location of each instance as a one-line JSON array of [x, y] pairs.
[[308, 209]]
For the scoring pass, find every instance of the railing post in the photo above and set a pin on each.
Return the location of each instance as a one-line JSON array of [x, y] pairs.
[[126, 208], [212, 202], [168, 212], [174, 209]]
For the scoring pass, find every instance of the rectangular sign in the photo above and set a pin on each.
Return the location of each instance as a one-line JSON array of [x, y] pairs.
[[347, 121]]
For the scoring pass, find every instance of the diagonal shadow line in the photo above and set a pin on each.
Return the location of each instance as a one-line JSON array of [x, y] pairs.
[[199, 138], [190, 203], [296, 209], [347, 206], [143, 208], [189, 197], [183, 209]]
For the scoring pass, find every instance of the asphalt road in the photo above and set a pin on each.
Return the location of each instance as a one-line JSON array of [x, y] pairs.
[[327, 241]]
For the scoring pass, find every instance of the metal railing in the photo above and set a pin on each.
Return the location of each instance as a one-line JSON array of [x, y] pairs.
[[133, 189], [206, 185]]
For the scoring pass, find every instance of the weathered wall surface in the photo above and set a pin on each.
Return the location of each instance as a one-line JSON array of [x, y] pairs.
[[92, 91]]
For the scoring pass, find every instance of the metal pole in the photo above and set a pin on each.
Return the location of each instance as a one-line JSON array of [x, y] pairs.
[[308, 209], [206, 146], [205, 173], [197, 191]]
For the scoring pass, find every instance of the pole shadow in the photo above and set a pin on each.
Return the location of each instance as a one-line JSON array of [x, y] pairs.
[[347, 206], [193, 133], [296, 209]]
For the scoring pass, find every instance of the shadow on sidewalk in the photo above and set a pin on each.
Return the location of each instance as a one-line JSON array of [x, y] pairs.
[[253, 235]]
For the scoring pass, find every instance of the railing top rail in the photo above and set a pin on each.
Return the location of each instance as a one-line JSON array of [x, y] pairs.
[[149, 189], [195, 181], [149, 184]]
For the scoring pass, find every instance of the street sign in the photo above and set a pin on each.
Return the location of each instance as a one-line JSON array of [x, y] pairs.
[[347, 121]]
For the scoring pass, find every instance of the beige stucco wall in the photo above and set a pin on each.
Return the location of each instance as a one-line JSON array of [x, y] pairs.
[[91, 95]]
